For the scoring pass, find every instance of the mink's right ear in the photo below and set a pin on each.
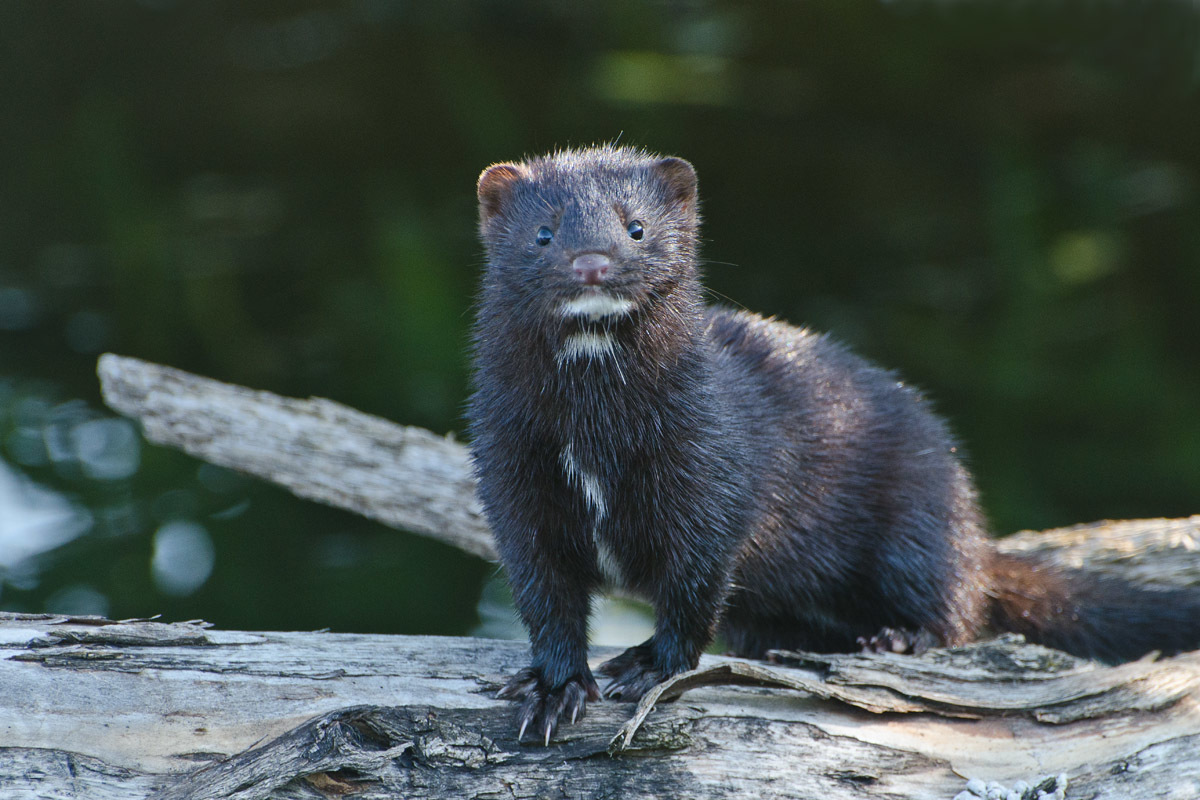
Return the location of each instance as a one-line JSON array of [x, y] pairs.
[[494, 187]]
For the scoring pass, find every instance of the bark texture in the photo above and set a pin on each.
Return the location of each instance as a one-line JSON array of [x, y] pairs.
[[139, 709]]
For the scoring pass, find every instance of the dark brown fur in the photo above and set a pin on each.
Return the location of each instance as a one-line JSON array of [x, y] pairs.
[[738, 472]]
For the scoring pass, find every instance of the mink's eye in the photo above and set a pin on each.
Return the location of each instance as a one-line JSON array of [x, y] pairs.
[[544, 236], [636, 232]]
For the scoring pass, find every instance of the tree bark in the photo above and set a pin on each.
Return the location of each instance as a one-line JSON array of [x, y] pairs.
[[145, 709], [138, 709]]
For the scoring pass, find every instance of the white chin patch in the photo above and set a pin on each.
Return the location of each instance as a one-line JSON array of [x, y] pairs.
[[586, 344], [596, 306]]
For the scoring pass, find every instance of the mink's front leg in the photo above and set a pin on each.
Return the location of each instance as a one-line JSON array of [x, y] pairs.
[[554, 606], [686, 611], [633, 672]]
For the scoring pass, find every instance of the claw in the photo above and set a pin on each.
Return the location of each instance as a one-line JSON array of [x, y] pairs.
[[543, 709]]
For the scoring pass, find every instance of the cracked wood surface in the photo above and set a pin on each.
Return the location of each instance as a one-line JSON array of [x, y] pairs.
[[141, 709]]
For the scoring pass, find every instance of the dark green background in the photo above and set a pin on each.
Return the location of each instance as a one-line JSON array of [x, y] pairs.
[[997, 199]]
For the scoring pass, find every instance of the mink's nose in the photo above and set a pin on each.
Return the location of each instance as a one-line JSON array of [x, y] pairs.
[[591, 268]]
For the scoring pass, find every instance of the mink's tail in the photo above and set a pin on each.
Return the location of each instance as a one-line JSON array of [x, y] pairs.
[[1089, 615]]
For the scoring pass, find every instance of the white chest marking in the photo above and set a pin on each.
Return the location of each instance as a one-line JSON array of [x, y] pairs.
[[584, 481], [586, 343], [590, 486], [596, 306]]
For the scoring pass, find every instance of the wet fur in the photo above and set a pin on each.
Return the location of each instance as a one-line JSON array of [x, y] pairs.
[[755, 477]]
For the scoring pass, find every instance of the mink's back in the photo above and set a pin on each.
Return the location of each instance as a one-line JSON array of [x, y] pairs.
[[858, 490]]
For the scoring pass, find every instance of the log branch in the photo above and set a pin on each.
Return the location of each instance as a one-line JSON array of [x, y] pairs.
[[402, 476]]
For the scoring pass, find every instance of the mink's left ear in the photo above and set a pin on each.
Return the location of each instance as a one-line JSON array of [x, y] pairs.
[[680, 179]]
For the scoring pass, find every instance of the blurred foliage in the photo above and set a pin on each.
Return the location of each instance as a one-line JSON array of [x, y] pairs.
[[997, 199]]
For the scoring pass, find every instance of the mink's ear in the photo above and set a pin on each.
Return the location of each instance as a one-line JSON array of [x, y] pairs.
[[495, 185], [680, 178]]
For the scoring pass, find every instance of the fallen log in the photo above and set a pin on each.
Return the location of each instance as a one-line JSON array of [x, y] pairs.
[[97, 709], [140, 708]]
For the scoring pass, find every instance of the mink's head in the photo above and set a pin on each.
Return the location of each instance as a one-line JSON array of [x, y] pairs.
[[597, 233]]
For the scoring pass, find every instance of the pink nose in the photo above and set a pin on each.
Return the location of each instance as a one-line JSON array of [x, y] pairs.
[[591, 268]]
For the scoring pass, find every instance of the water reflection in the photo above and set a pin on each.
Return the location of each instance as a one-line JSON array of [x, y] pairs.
[[33, 520], [79, 599], [73, 493], [183, 557], [88, 332], [18, 308], [66, 475], [77, 439]]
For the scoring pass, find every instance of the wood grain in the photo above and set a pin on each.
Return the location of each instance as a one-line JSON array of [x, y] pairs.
[[145, 709]]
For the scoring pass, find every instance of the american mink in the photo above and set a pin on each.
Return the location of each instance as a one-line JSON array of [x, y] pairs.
[[743, 475]]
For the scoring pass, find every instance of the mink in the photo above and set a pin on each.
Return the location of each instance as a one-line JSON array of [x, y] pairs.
[[746, 477]]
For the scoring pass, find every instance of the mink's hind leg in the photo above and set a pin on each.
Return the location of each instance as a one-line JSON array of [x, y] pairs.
[[899, 640], [748, 634], [542, 707]]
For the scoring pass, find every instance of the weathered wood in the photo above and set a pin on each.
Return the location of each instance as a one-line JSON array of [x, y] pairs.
[[93, 709], [320, 450], [1152, 552]]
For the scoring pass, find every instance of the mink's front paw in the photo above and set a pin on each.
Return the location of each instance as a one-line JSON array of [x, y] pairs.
[[542, 707], [633, 674]]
